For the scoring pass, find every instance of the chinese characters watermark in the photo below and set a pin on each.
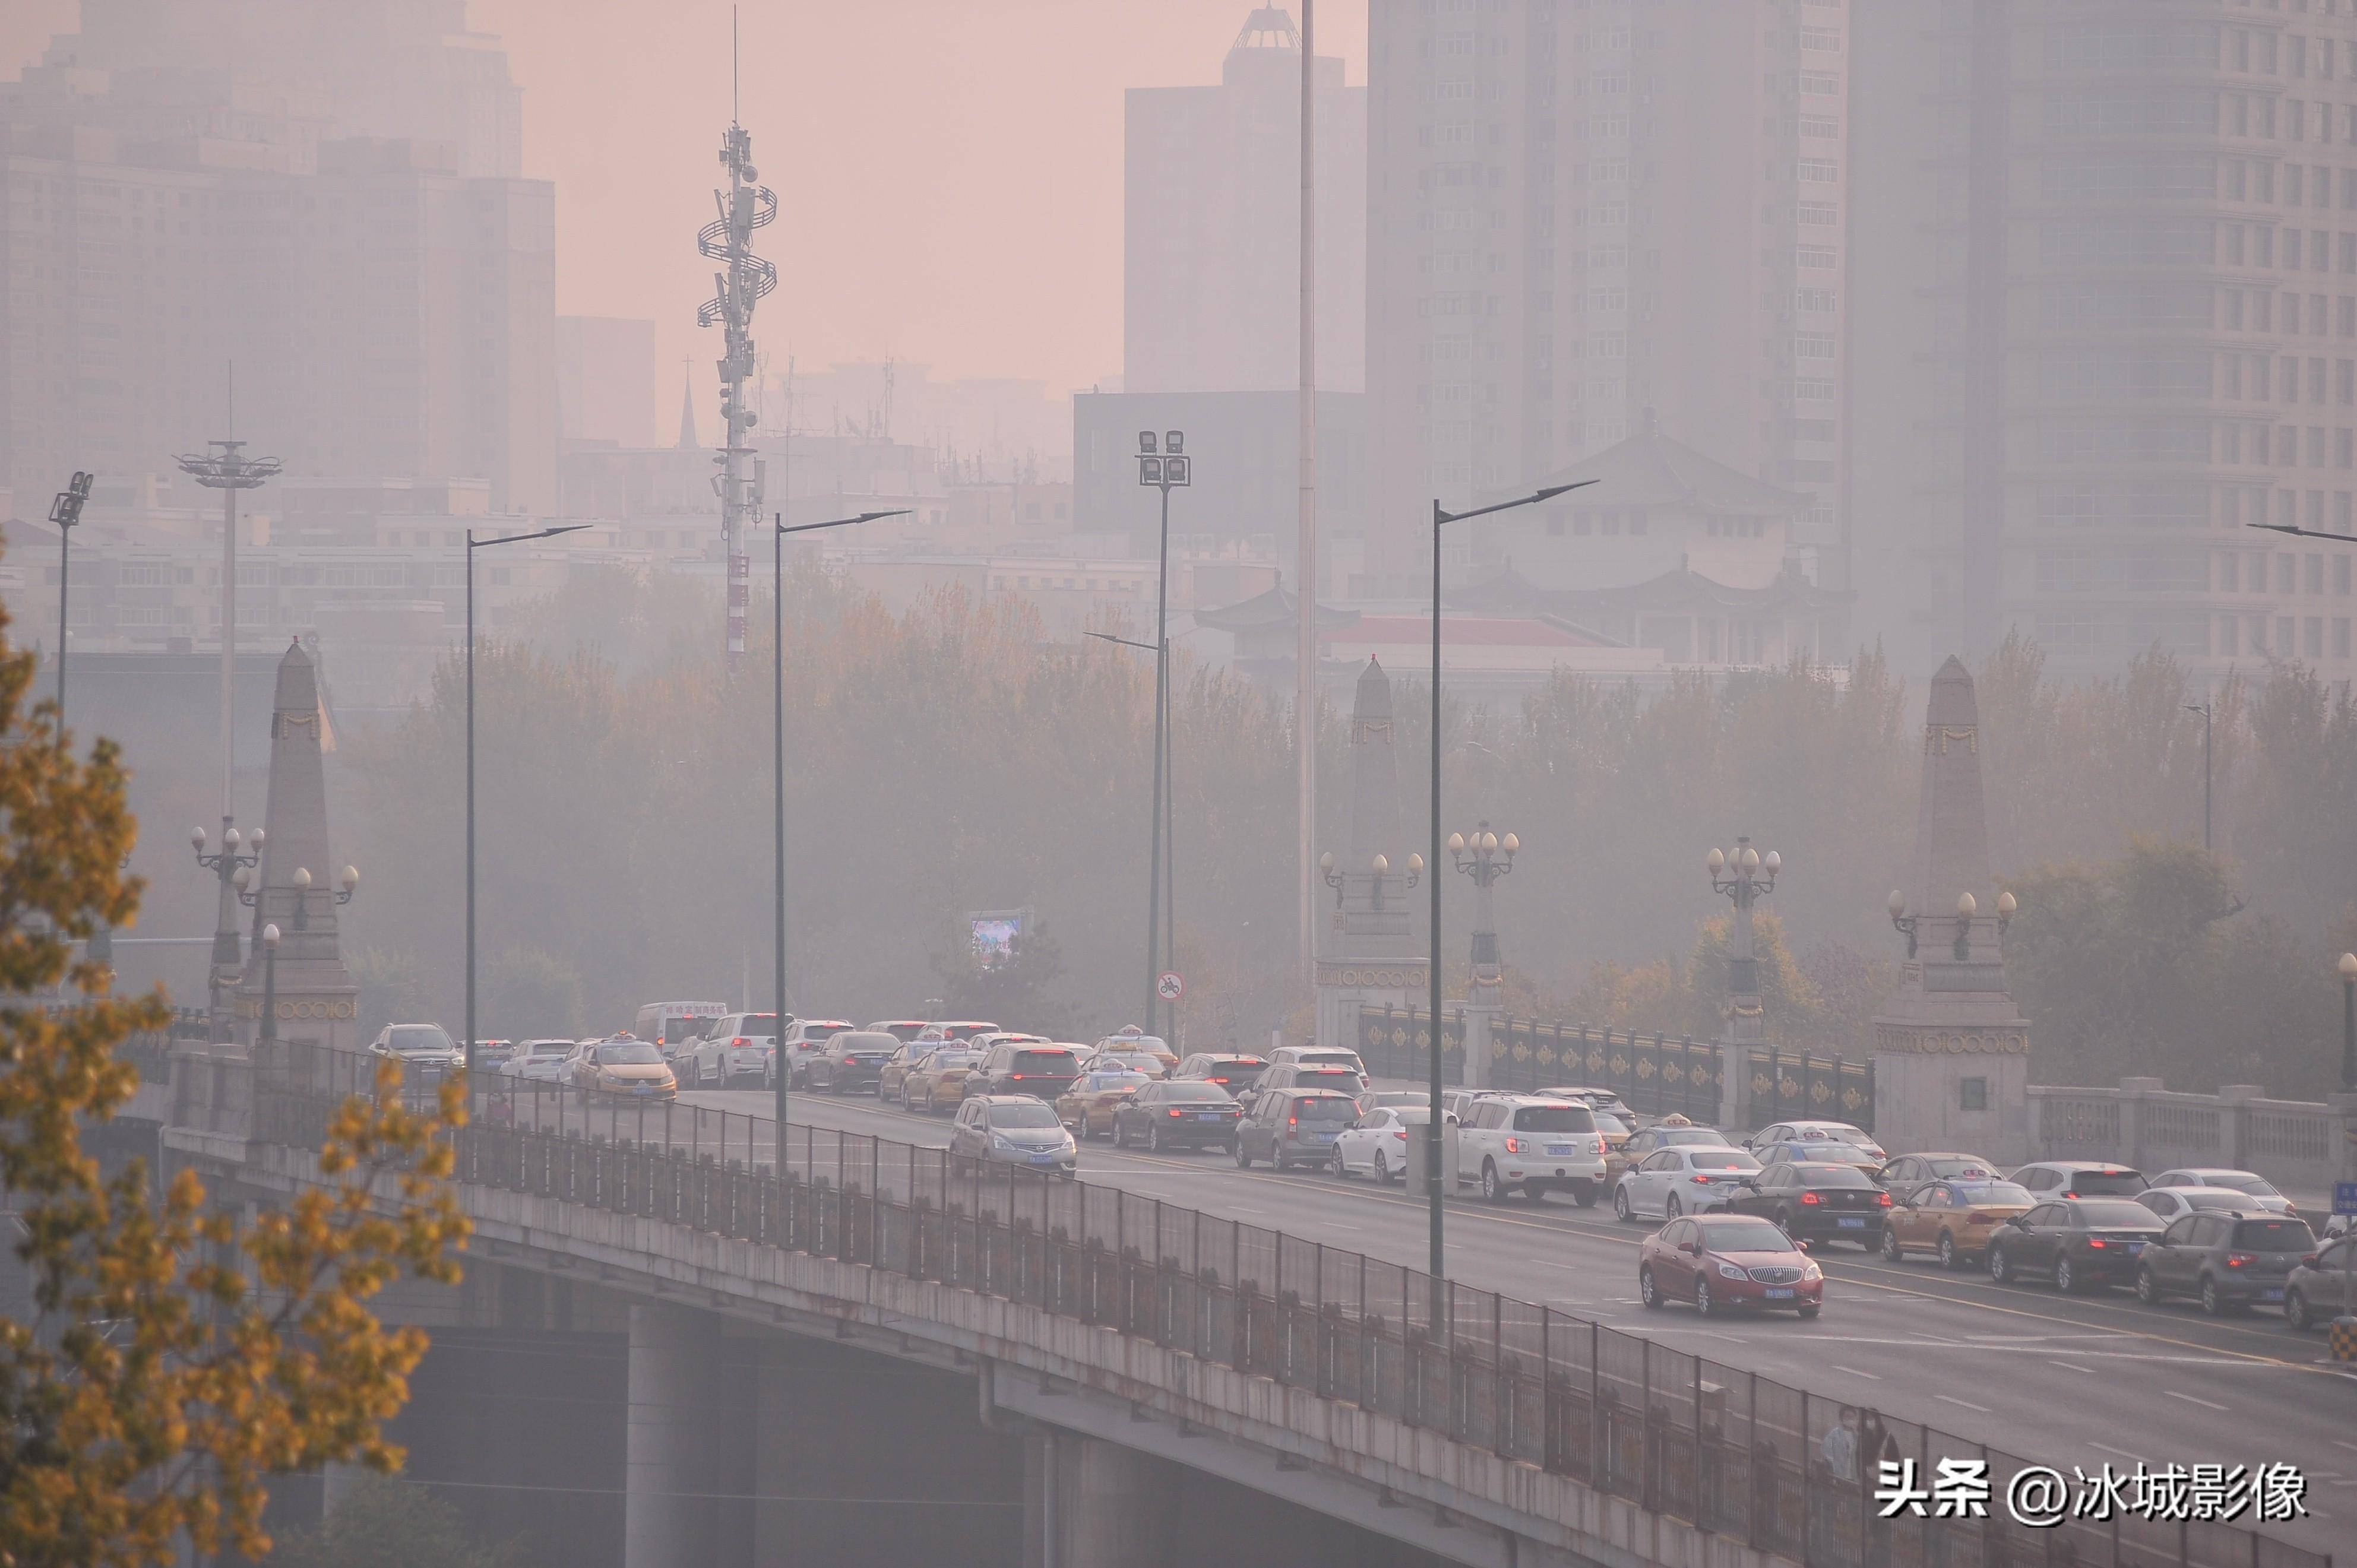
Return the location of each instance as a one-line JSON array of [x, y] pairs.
[[2041, 1496]]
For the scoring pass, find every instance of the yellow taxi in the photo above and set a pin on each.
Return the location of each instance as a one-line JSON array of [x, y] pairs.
[[1950, 1219], [1087, 1106], [936, 1081], [628, 1069]]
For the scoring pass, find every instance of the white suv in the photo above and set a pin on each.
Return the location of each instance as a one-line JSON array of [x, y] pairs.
[[1516, 1141], [736, 1047]]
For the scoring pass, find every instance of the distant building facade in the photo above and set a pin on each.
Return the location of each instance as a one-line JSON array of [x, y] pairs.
[[1580, 212], [1212, 271], [606, 380], [325, 197], [2105, 318]]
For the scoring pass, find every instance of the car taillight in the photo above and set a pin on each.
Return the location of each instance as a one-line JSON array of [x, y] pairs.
[[1811, 1198], [2069, 1194], [2096, 1241], [1015, 1078], [2240, 1260], [1599, 1148], [1885, 1200], [1401, 1133], [1976, 1217], [740, 1040], [1513, 1146], [1699, 1179], [1176, 1111]]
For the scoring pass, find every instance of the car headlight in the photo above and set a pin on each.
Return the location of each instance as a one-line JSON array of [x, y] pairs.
[[1000, 1141], [1729, 1271], [1811, 1271]]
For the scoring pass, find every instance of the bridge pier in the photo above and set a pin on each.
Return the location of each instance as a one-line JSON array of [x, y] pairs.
[[1093, 1504], [671, 1457]]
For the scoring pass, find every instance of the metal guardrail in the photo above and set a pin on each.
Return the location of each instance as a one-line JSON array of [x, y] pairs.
[[1733, 1452]]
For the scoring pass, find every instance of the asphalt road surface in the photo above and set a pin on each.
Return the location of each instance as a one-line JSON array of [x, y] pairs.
[[2065, 1380]]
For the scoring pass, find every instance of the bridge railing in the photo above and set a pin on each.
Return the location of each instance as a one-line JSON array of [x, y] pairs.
[[1735, 1453]]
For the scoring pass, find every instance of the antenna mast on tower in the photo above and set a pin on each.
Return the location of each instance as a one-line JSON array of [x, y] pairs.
[[741, 283]]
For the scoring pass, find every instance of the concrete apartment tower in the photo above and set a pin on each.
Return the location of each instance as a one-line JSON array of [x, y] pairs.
[[1371, 945], [1951, 1050], [316, 1001]]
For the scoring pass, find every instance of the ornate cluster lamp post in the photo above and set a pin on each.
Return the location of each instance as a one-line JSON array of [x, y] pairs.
[[268, 1034], [1967, 907], [1378, 867], [1745, 876], [233, 868], [1485, 857], [241, 881]]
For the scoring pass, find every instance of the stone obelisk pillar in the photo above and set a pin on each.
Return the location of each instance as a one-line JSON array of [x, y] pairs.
[[314, 998], [1950, 1049], [1371, 947]]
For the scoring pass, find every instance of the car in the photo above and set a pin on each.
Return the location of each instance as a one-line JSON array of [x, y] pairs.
[[1594, 1099], [1319, 1056], [2230, 1262], [1460, 1102], [901, 1029], [1178, 1114], [2174, 1203], [2078, 1243], [1669, 1133], [851, 1060], [2316, 1290], [898, 1066], [1313, 1075], [1236, 1074], [624, 1067], [1376, 1098], [1134, 1040], [1728, 1261], [1527, 1145], [1293, 1126], [734, 1047], [538, 1061], [492, 1055], [1146, 1062], [424, 1046], [1815, 1202], [1813, 1132], [673, 1027], [804, 1038], [1012, 1130], [2257, 1188], [1913, 1170], [1024, 1064], [1684, 1178], [1951, 1220], [1615, 1131], [1088, 1107], [2079, 1178], [957, 1031], [936, 1081], [1825, 1154], [1382, 1142]]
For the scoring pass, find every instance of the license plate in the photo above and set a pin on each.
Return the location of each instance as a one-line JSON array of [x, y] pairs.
[[643, 1089], [1321, 1137], [1561, 1149], [2273, 1293], [1853, 1222], [2133, 1248], [1207, 1116], [1043, 1159], [1779, 1293]]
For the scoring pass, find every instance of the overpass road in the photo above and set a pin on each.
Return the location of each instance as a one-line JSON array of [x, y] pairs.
[[2065, 1380]]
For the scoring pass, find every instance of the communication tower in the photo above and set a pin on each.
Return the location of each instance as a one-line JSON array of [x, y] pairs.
[[743, 280]]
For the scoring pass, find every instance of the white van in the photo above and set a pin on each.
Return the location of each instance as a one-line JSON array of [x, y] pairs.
[[673, 1027]]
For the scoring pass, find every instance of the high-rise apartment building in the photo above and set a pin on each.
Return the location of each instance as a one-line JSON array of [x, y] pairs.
[[2106, 316], [165, 214], [1582, 210], [1213, 232]]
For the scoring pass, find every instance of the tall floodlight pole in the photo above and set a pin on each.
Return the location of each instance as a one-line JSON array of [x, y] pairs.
[[781, 1067], [1162, 465], [743, 280], [1304, 684], [2204, 710], [226, 467], [1437, 1182], [66, 512], [473, 544]]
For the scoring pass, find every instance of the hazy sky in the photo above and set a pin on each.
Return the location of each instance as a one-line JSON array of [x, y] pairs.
[[949, 171]]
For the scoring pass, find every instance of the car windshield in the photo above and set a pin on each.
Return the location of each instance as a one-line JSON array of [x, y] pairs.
[[1994, 1192], [2133, 1214], [1116, 1079], [1846, 1153], [1743, 1236], [1555, 1119], [951, 1059], [1131, 1043], [414, 1040], [1727, 1160], [2223, 1198], [675, 1030], [1032, 1116], [2242, 1181], [629, 1053], [2273, 1236], [1330, 1058], [1677, 1135], [1833, 1175], [1965, 1169], [862, 1040], [1196, 1094], [1326, 1108], [1130, 1061], [548, 1048], [1043, 1061], [904, 1033], [2106, 1184]]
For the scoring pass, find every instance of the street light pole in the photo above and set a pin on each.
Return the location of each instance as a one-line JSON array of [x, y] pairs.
[[473, 544], [1164, 466], [2203, 709], [2348, 967], [1436, 1181], [781, 1070], [66, 512]]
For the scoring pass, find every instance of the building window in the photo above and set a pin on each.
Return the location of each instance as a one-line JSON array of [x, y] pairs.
[[2312, 636], [2339, 637], [1971, 1094]]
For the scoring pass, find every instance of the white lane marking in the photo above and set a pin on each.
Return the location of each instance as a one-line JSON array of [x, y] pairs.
[[2121, 1452], [2058, 1361], [1855, 1373], [2351, 1446], [2189, 1399], [1951, 1398]]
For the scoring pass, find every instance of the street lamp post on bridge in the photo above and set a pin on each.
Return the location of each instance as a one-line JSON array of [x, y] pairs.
[[1485, 857]]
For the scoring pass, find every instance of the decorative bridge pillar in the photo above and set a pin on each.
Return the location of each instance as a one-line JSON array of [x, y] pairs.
[[1371, 945]]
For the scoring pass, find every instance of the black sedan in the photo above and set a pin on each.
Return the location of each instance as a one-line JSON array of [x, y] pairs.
[[1182, 1113], [1816, 1202], [853, 1060], [2078, 1243]]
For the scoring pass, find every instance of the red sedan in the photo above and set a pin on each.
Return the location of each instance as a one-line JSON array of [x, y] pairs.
[[1720, 1261]]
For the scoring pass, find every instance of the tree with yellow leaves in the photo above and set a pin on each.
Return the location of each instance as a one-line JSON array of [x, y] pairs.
[[177, 1360]]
